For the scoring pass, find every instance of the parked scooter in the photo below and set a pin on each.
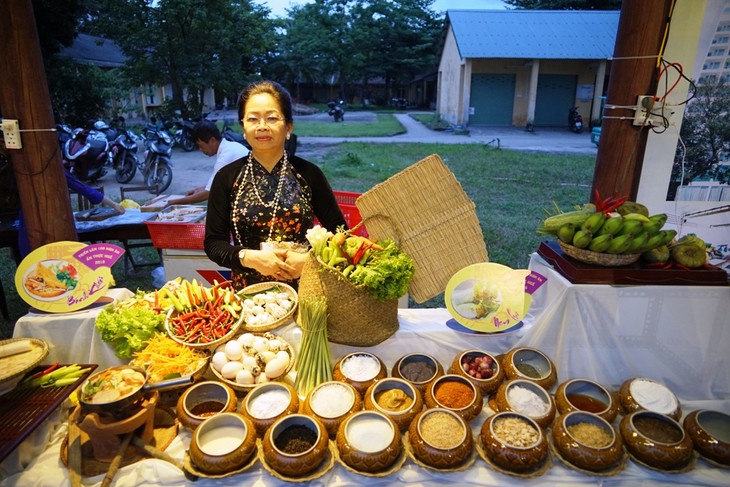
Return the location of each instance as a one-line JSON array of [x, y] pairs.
[[337, 110], [182, 136], [575, 120], [122, 150], [157, 166], [86, 154]]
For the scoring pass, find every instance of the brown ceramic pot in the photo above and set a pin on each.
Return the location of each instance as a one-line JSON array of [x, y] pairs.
[[580, 448], [260, 421], [656, 440], [486, 385], [710, 434], [359, 383], [642, 394], [586, 395], [205, 399], [403, 417], [503, 403], [518, 361], [324, 413], [440, 452], [362, 454], [514, 453], [402, 365], [470, 411], [295, 464], [223, 443]]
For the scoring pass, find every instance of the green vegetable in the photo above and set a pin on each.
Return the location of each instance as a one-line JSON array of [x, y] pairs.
[[387, 272], [314, 363], [128, 329]]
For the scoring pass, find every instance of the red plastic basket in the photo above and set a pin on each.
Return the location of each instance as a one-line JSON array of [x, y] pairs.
[[173, 235], [346, 202]]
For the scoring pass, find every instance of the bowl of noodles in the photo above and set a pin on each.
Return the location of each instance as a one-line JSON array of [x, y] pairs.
[[164, 358]]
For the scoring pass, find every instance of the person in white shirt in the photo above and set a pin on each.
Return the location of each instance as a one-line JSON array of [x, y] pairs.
[[208, 138]]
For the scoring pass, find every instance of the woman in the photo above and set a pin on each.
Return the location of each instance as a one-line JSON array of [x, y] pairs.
[[266, 201]]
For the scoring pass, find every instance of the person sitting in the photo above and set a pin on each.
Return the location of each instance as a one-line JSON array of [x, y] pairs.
[[209, 140]]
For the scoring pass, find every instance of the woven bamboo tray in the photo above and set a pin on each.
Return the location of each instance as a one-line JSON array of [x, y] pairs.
[[598, 258], [427, 213]]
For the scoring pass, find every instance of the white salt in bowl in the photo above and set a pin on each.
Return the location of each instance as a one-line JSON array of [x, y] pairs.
[[369, 441], [331, 403], [642, 394], [268, 402], [360, 369], [526, 397]]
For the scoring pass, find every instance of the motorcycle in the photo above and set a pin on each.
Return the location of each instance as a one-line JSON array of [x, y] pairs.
[[122, 150], [86, 154], [575, 120], [182, 136], [157, 166], [337, 110]]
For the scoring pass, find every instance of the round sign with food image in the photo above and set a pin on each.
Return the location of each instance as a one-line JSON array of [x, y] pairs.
[[488, 297], [62, 277]]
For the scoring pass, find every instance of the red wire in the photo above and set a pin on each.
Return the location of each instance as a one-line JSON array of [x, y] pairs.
[[679, 68]]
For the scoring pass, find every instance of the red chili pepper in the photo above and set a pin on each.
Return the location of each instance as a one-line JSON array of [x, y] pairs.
[[680, 266], [44, 372]]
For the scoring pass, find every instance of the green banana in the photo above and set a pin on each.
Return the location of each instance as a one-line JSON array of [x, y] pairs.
[[594, 222], [668, 236], [638, 242], [653, 227], [600, 244], [566, 232], [582, 238], [653, 242], [637, 216], [660, 218], [611, 226], [620, 244], [630, 227]]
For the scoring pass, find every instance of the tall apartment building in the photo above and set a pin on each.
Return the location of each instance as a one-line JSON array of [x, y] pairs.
[[715, 43]]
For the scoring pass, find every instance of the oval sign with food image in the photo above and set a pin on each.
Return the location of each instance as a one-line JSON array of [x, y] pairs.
[[66, 276], [489, 297]]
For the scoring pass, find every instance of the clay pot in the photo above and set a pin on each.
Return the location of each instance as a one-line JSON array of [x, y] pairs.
[[486, 385], [295, 464], [401, 367], [509, 453], [223, 443], [710, 434], [503, 403], [586, 395], [581, 453], [360, 384], [469, 411], [205, 399], [279, 409], [518, 361], [438, 451], [656, 440], [379, 452], [324, 412], [401, 418], [642, 394]]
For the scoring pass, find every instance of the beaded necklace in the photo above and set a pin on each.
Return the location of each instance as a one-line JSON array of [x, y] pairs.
[[274, 204]]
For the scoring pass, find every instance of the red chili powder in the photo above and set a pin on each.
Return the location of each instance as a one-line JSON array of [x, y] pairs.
[[454, 394]]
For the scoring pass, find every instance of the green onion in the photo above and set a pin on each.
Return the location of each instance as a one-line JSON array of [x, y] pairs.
[[314, 363]]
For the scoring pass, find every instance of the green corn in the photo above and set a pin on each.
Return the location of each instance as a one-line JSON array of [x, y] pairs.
[[619, 244], [552, 224], [582, 238], [600, 244], [611, 226], [566, 232], [594, 222]]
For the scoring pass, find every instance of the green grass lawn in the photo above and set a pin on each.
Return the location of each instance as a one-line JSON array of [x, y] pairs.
[[509, 188]]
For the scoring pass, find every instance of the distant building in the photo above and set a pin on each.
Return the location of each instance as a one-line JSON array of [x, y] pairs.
[[715, 42], [524, 68]]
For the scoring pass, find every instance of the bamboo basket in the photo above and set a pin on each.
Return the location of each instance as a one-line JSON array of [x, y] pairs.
[[598, 258], [427, 213]]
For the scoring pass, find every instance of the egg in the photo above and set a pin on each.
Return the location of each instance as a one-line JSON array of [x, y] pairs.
[[261, 344], [249, 362], [282, 355], [261, 379], [268, 356], [246, 339], [230, 370], [276, 367], [219, 360], [234, 350], [244, 377]]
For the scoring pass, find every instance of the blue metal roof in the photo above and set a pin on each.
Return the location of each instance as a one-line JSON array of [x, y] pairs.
[[534, 34]]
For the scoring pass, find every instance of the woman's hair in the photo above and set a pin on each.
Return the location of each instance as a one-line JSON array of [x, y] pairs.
[[280, 94]]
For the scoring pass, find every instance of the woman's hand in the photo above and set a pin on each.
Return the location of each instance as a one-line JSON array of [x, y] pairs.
[[271, 263], [297, 261]]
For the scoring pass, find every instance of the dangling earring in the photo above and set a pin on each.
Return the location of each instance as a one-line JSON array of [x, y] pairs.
[[287, 136]]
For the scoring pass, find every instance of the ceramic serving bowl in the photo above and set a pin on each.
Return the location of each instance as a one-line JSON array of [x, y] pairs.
[[268, 402], [369, 441], [514, 442], [295, 445], [331, 403], [456, 393], [481, 368], [586, 395], [530, 364], [396, 398], [359, 369], [710, 434], [528, 398], [223, 443], [204, 399], [440, 438], [641, 393], [656, 440], [587, 441], [419, 369]]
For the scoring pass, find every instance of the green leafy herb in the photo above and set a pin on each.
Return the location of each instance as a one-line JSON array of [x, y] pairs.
[[387, 272], [128, 329]]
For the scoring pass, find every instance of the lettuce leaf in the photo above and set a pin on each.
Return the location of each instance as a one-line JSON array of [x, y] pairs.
[[387, 272], [128, 329]]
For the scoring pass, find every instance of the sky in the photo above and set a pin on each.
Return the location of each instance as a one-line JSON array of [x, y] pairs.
[[278, 7]]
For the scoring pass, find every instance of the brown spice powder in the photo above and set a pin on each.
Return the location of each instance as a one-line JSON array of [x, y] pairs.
[[442, 430], [454, 394], [590, 434]]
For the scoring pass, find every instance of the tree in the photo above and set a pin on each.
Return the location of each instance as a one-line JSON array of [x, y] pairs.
[[706, 135], [565, 4]]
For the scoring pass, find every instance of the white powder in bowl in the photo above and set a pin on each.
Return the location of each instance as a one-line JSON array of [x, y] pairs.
[[525, 401], [360, 367], [653, 396]]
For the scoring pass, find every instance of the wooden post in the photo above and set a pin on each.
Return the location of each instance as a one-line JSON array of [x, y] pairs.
[[633, 73], [24, 96]]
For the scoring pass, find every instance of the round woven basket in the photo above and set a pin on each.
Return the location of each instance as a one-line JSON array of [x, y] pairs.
[[268, 286], [598, 258]]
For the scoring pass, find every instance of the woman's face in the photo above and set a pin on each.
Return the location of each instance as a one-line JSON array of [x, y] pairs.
[[263, 123]]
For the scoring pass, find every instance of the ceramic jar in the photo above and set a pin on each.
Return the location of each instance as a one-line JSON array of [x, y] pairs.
[[223, 443], [331, 403], [268, 402], [646, 394], [656, 440], [456, 393], [283, 450], [359, 369], [514, 442], [587, 441], [435, 449], [419, 369], [395, 398], [521, 396], [530, 364], [586, 395], [485, 383], [369, 441], [710, 434], [204, 399]]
